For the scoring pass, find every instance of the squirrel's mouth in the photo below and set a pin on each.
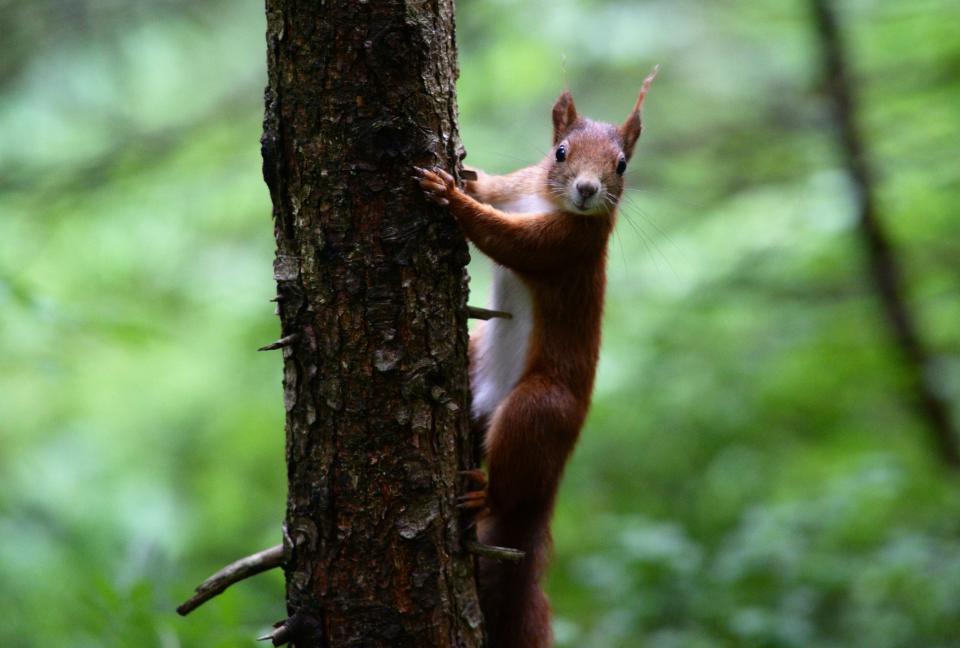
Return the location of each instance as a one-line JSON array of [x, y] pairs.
[[586, 206], [594, 204]]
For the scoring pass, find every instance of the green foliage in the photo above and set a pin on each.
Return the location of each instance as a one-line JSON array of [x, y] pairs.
[[752, 473]]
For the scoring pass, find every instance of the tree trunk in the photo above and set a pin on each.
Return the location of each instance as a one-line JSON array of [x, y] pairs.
[[882, 261], [372, 302]]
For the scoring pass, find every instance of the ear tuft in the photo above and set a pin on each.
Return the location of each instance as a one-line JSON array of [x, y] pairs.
[[633, 125], [564, 116]]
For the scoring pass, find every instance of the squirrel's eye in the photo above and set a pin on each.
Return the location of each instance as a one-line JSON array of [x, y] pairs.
[[621, 166], [561, 153]]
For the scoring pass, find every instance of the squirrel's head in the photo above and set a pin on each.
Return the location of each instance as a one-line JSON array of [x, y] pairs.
[[589, 158]]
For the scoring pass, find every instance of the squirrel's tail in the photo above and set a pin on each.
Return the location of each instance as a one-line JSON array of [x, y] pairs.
[[515, 609]]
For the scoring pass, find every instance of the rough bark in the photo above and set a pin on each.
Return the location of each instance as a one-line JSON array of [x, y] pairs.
[[882, 260], [371, 283]]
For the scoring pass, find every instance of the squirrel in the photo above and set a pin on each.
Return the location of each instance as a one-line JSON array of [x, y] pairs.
[[546, 228]]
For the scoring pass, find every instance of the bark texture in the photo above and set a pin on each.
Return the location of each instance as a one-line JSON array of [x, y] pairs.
[[371, 284], [882, 260]]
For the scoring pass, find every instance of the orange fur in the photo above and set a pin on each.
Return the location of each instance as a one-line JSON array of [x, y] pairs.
[[561, 257]]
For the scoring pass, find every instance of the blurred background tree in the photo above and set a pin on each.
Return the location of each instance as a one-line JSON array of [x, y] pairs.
[[753, 472]]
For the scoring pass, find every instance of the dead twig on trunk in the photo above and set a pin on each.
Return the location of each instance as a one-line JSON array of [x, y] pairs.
[[476, 312], [495, 553], [233, 573]]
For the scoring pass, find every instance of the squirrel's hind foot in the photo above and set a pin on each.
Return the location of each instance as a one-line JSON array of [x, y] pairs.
[[475, 501]]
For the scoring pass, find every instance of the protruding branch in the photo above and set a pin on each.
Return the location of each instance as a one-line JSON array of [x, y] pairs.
[[494, 552], [485, 313], [233, 573], [279, 344], [282, 632]]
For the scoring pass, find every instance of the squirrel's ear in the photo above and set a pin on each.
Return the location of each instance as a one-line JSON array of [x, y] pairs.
[[633, 125], [630, 132], [564, 115]]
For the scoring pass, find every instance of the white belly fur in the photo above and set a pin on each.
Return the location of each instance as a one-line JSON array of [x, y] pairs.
[[502, 353]]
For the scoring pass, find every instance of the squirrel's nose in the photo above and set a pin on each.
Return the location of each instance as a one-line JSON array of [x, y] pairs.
[[587, 189]]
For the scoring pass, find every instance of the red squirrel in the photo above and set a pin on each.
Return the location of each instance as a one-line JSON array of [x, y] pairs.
[[546, 228]]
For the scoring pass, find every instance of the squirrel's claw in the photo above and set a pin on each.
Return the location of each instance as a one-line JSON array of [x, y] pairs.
[[437, 184], [474, 500], [476, 476], [446, 177]]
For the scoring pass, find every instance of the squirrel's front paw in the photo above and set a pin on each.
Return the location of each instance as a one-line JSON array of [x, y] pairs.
[[438, 185]]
